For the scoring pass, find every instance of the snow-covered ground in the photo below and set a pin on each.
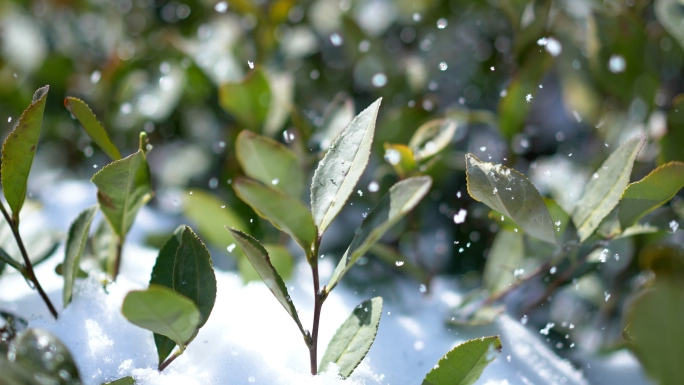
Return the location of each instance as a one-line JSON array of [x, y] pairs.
[[249, 337]]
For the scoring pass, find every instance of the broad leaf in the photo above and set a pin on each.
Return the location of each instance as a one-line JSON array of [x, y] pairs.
[[124, 186], [401, 198], [341, 167], [464, 364], [270, 162], [432, 137], [658, 187], [75, 246], [18, 152], [284, 212], [354, 338], [248, 101], [260, 260], [210, 215], [128, 380], [605, 188], [162, 311], [281, 259], [505, 256], [509, 192], [92, 126], [45, 356]]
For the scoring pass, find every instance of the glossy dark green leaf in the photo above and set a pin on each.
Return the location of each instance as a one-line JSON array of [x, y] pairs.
[[128, 380], [604, 190], [248, 101], [75, 246], [509, 192], [354, 338], [657, 188], [124, 186], [270, 162], [655, 328], [18, 152], [162, 311], [464, 364], [432, 137], [339, 171], [45, 356], [401, 198], [281, 259], [92, 126], [284, 212], [505, 256], [210, 215], [260, 260]]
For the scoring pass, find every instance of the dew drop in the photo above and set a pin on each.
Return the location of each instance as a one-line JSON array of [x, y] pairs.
[[442, 23], [443, 66]]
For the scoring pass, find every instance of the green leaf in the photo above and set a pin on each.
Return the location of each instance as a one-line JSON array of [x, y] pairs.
[[605, 188], [401, 198], [464, 364], [45, 356], [655, 328], [128, 380], [6, 258], [432, 137], [354, 338], [162, 311], [285, 213], [80, 273], [75, 246], [248, 101], [18, 152], [260, 260], [184, 265], [210, 216], [124, 186], [505, 256], [658, 187], [92, 126], [270, 162], [401, 157], [670, 14], [281, 259], [341, 167], [509, 192]]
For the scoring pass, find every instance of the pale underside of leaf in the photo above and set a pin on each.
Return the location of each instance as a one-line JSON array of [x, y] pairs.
[[604, 190], [512, 194], [339, 171], [354, 338], [432, 137], [401, 199]]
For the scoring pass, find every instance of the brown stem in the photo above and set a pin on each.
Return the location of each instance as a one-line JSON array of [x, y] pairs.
[[318, 304], [169, 360], [27, 262], [117, 259]]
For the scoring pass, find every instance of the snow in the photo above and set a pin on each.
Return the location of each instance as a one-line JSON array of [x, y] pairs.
[[249, 337]]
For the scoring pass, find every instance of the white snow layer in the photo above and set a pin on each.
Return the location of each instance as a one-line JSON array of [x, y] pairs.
[[250, 338]]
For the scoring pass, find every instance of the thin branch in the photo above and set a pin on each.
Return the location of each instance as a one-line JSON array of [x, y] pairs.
[[169, 360], [318, 305], [27, 262]]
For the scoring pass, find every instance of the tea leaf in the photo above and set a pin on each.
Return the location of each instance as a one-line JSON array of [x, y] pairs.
[[43, 355], [281, 259], [248, 101], [162, 311], [509, 192], [354, 338], [402, 158], [432, 137], [401, 198], [259, 258], [124, 186], [341, 167], [270, 162], [18, 152], [6, 258], [92, 126], [505, 255], [644, 196], [75, 246], [605, 188], [464, 364], [210, 216], [284, 212]]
